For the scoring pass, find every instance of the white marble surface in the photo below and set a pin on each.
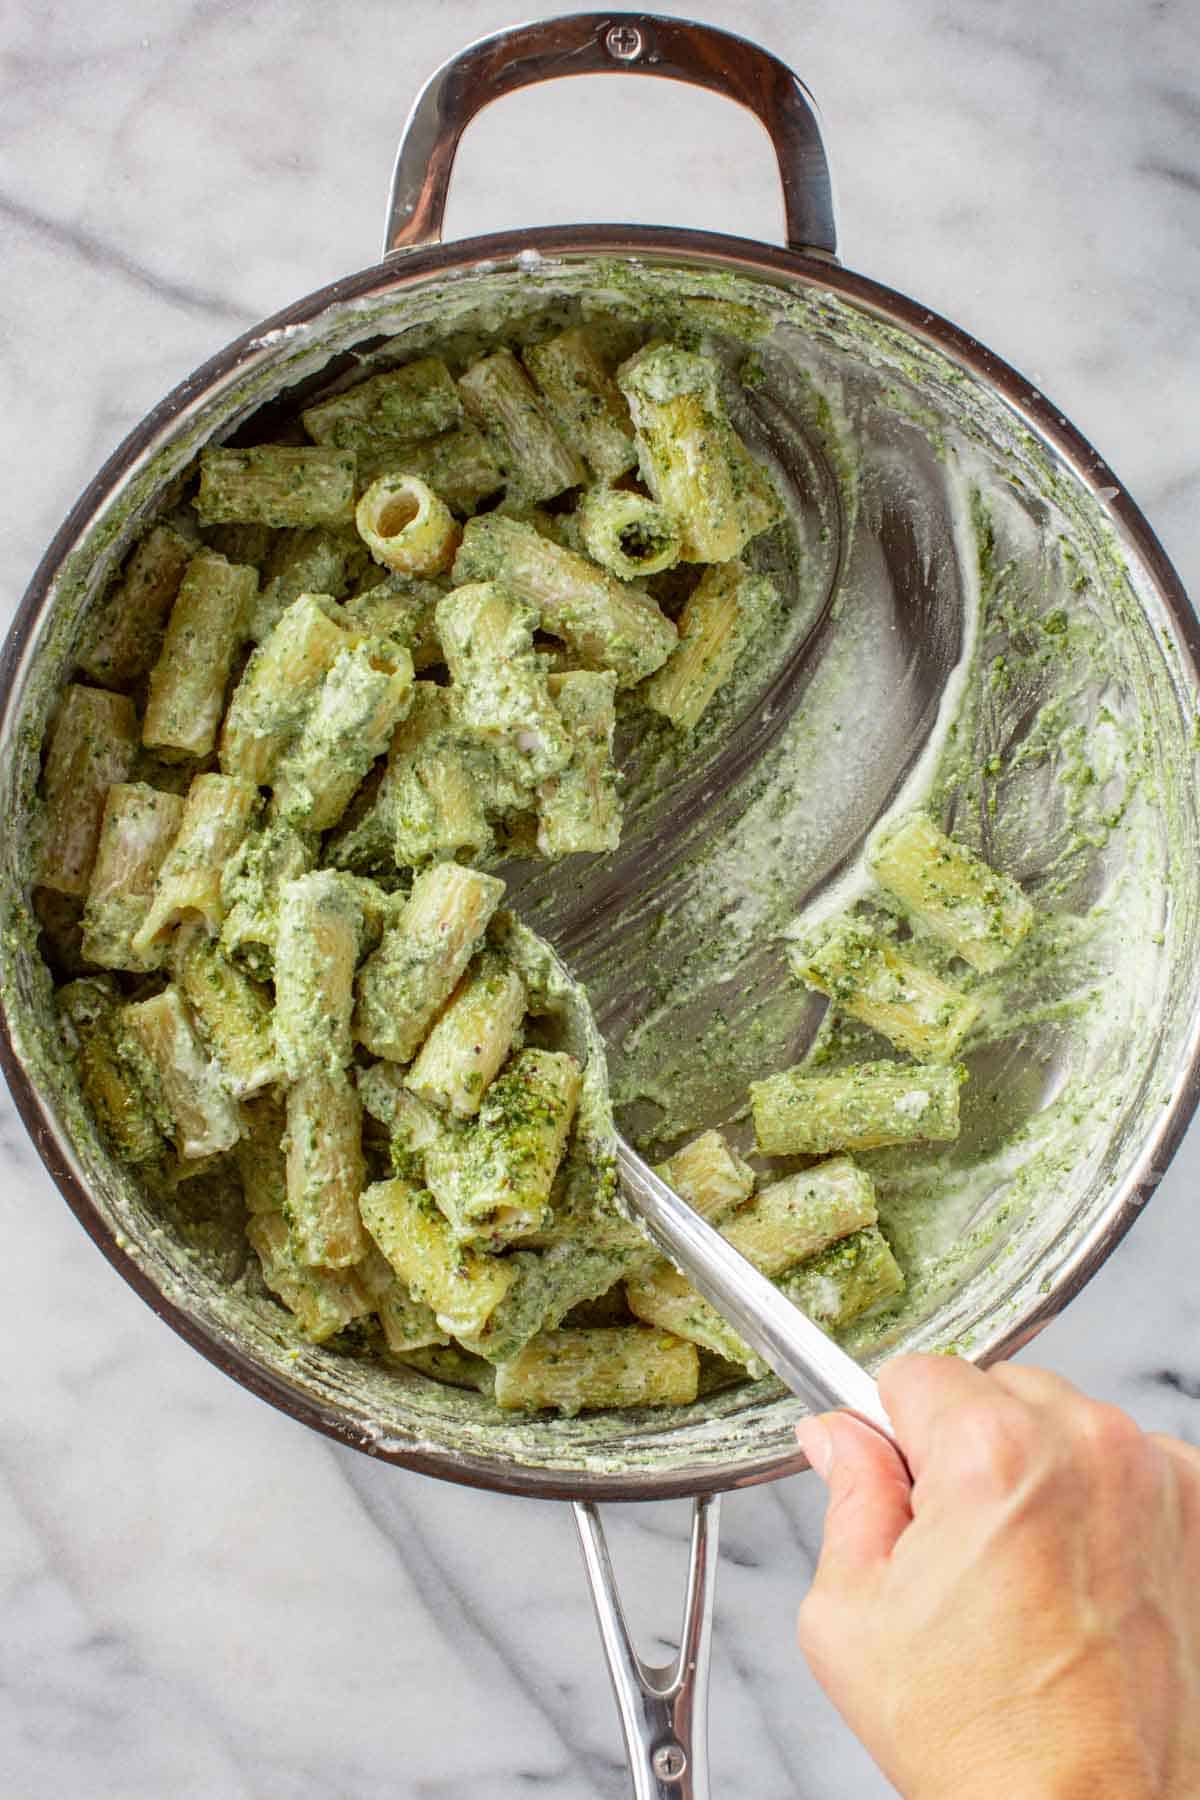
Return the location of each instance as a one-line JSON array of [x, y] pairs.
[[198, 1599]]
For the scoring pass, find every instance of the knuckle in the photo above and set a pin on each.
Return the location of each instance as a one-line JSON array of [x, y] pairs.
[[996, 1446], [1109, 1435]]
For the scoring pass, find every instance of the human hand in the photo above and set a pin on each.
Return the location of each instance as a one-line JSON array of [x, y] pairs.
[[1021, 1619]]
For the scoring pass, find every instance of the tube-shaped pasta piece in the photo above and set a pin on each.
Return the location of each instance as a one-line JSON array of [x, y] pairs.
[[382, 1090], [710, 1175], [982, 915], [849, 1278], [458, 465], [579, 808], [545, 1287], [500, 397], [403, 610], [584, 401], [499, 680], [123, 1112], [278, 684], [453, 1367], [93, 742], [261, 1157], [139, 826], [607, 624], [492, 1182], [786, 1222], [308, 560], [495, 1185], [407, 1324], [216, 817], [318, 938], [796, 1217], [251, 882], [410, 402], [358, 704], [233, 1012], [323, 1301], [122, 636], [690, 456], [721, 615], [464, 1051], [462, 1286], [404, 985], [623, 1365], [429, 801], [627, 533], [405, 526], [190, 1100], [276, 484], [187, 683], [860, 1108], [665, 1298], [895, 996], [325, 1169]]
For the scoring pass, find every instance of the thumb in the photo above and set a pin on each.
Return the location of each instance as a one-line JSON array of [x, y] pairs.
[[869, 1491]]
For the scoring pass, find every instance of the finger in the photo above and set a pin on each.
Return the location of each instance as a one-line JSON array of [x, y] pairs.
[[1036, 1387], [869, 1492], [1186, 1455], [920, 1391]]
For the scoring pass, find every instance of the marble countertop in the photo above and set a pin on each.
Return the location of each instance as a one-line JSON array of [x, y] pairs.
[[197, 1597]]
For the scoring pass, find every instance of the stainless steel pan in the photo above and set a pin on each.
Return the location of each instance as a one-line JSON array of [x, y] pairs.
[[911, 384]]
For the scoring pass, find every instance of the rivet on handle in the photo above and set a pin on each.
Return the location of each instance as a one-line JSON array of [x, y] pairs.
[[624, 42], [670, 1762]]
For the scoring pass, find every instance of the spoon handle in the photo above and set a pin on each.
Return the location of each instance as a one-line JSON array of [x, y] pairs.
[[800, 1353]]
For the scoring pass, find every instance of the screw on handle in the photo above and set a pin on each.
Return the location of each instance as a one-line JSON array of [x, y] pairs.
[[610, 43]]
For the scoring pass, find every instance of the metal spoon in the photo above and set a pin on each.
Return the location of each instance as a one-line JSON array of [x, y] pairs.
[[800, 1353]]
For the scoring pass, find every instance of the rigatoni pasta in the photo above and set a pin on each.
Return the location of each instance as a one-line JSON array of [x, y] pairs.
[[409, 978], [217, 813], [121, 638], [208, 622], [139, 825], [605, 623], [499, 396], [312, 993], [93, 742], [719, 618], [692, 459], [277, 485], [798, 1112], [406, 526], [585, 403], [983, 916], [872, 981]]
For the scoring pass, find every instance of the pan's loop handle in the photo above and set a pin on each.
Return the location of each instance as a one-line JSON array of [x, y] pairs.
[[664, 1712], [610, 43]]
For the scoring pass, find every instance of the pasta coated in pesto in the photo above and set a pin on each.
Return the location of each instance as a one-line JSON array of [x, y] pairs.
[[323, 700]]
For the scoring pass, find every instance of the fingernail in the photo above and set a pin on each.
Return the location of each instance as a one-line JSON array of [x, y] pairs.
[[814, 1439]]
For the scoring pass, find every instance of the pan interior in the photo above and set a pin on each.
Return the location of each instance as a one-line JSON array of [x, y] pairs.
[[958, 624]]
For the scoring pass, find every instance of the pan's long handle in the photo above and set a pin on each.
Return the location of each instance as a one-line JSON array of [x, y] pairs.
[[664, 1711], [811, 1364], [609, 43]]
